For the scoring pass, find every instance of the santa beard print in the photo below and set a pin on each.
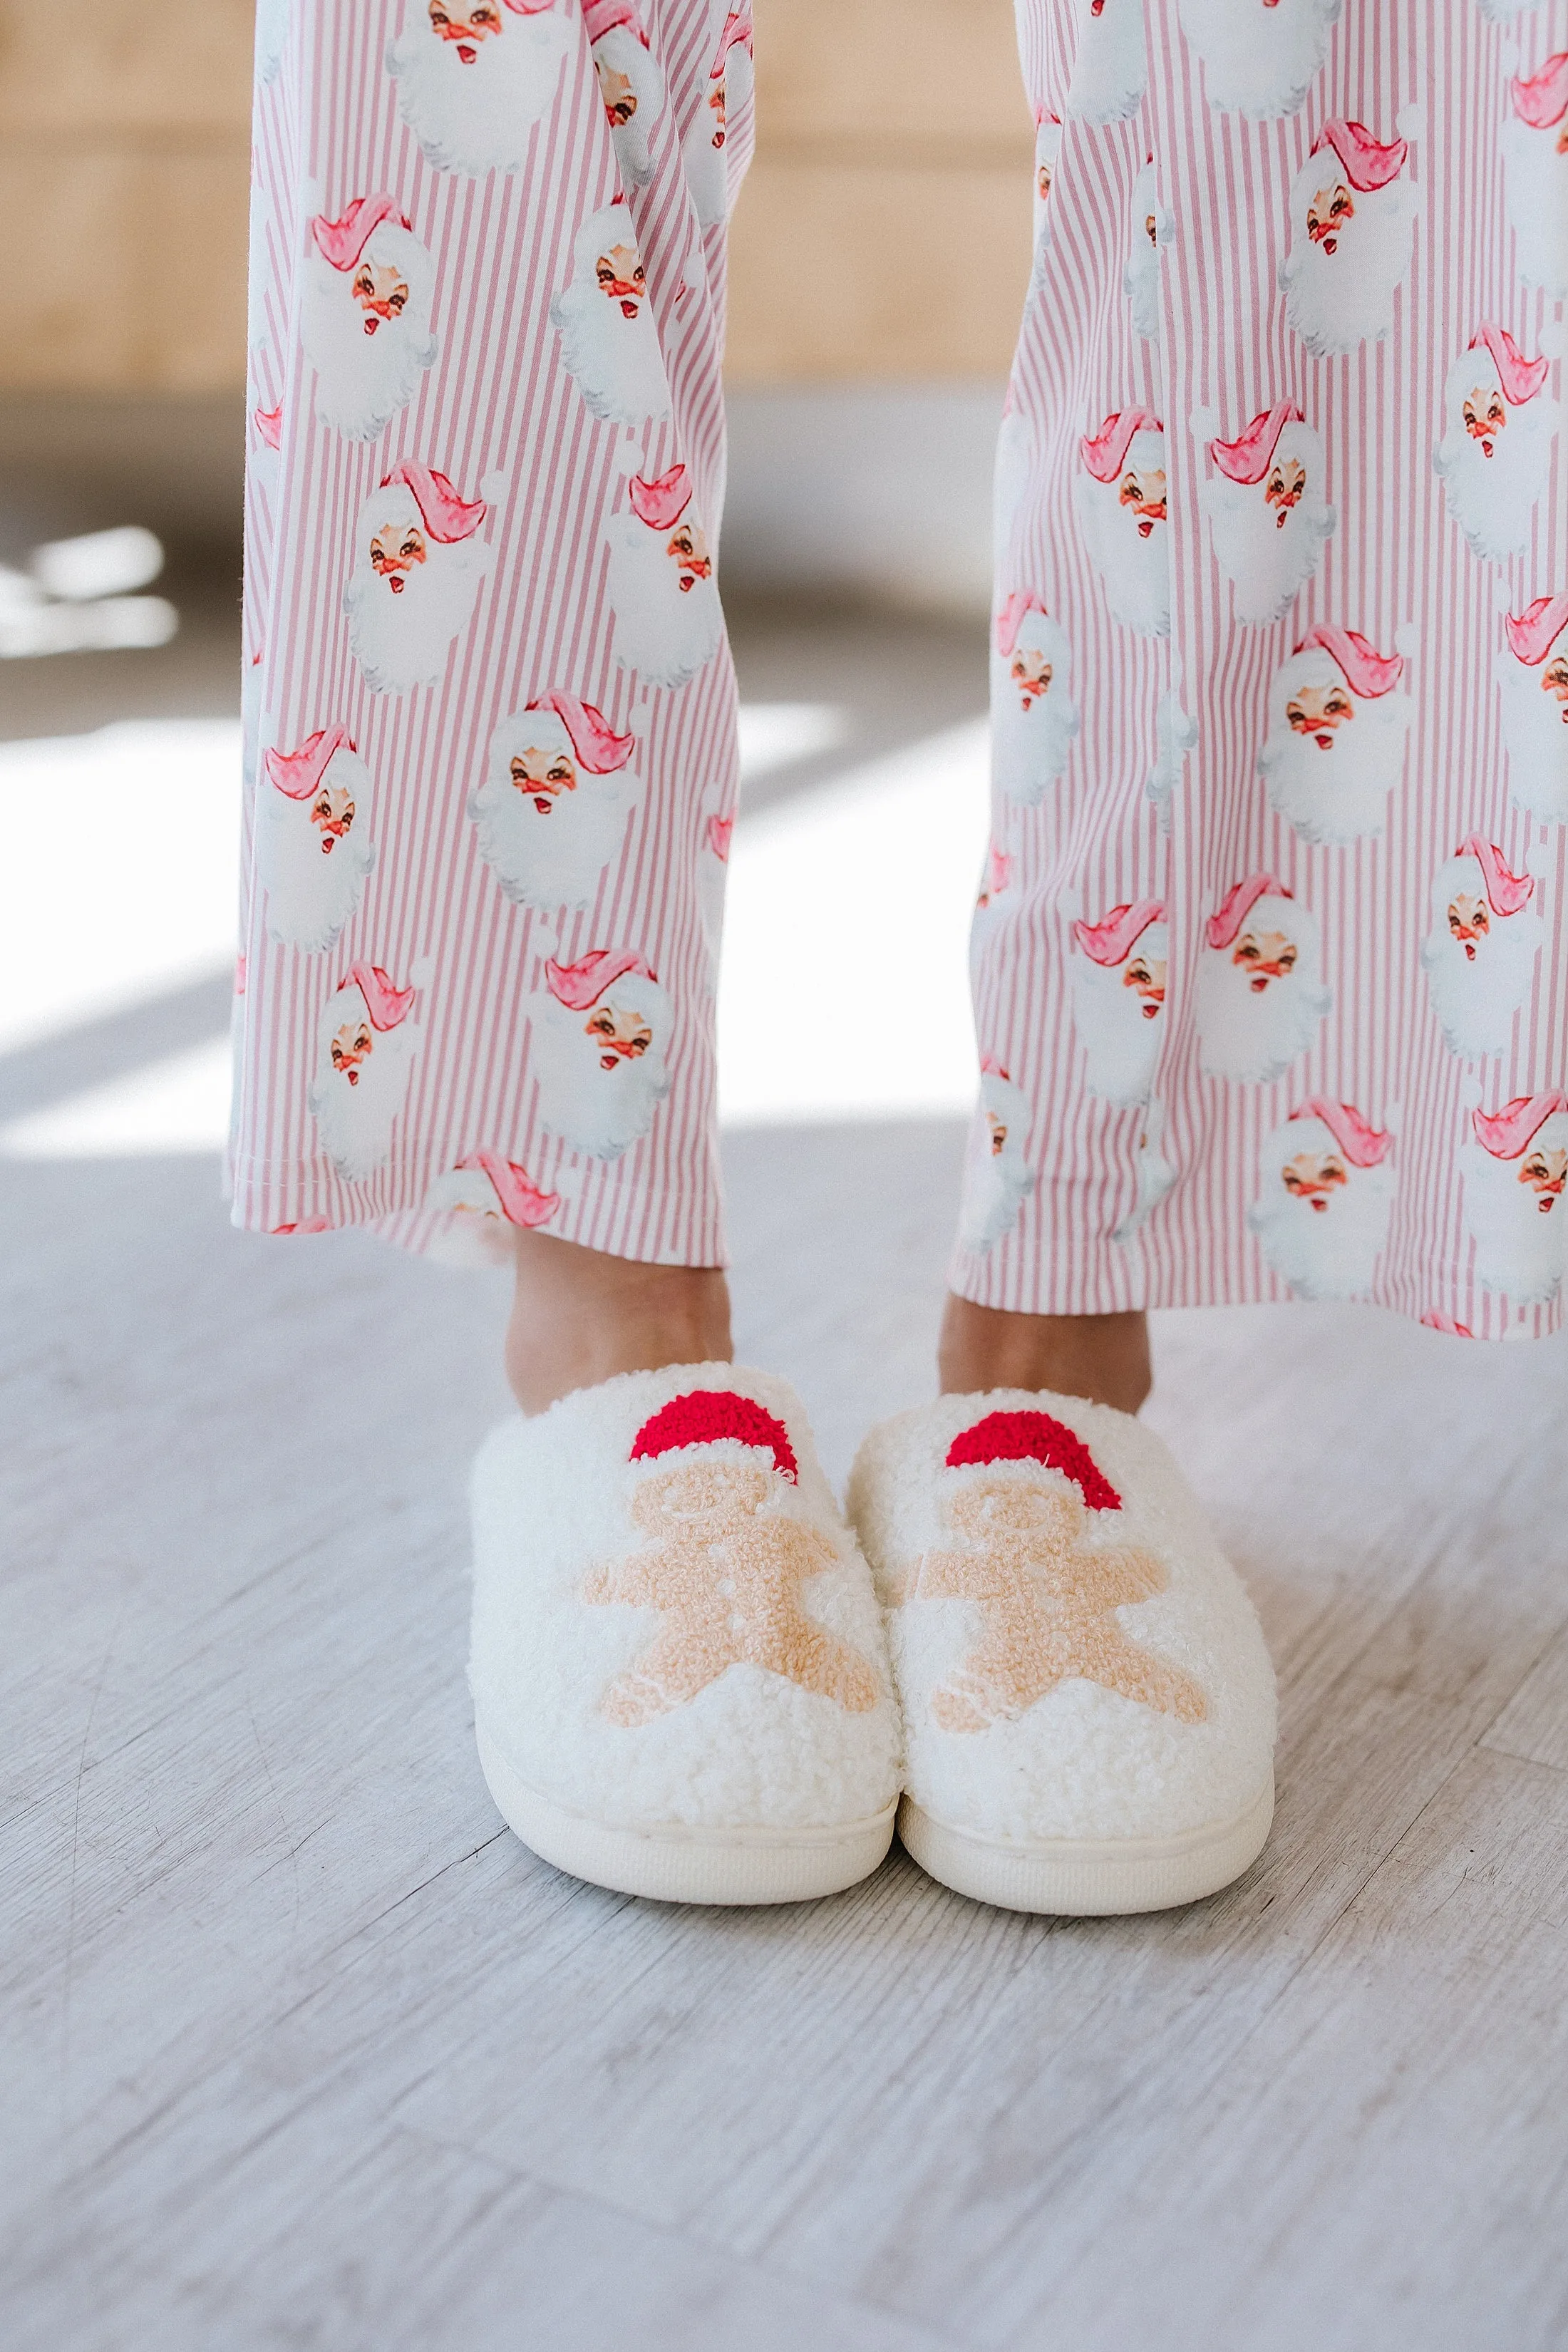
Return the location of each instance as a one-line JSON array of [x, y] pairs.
[[1520, 1231], [1331, 774], [1032, 725], [1535, 727], [368, 365], [1129, 549], [355, 1100], [1252, 1033], [706, 147], [664, 632], [548, 850], [1339, 286], [1323, 1233], [473, 104], [1120, 1024], [1155, 1176], [1110, 71], [594, 1099], [272, 21], [1535, 190], [1493, 497], [1176, 734], [312, 856], [1151, 229], [1261, 56], [632, 88], [400, 636], [605, 322], [997, 1180], [1269, 542], [1478, 981]]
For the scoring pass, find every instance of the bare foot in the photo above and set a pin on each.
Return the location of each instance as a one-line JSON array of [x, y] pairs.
[[580, 1316], [1105, 1357]]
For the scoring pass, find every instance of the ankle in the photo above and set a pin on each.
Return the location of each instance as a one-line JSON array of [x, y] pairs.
[[1103, 1356], [580, 1316]]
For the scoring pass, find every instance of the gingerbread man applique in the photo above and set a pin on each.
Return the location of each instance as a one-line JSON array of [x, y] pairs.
[[725, 1567], [1047, 1597]]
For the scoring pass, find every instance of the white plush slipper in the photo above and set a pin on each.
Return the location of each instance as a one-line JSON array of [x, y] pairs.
[[679, 1678], [1089, 1705]]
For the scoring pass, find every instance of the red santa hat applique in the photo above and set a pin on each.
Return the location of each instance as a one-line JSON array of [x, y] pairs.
[[1367, 163], [662, 502], [1542, 99], [299, 773], [1105, 452], [1520, 378], [1364, 1145], [1239, 900], [1247, 458], [581, 984], [387, 1005], [1035, 1437], [1509, 1133], [343, 240], [1534, 632], [445, 516], [522, 1202], [705, 1415], [595, 743], [1113, 939], [1016, 609], [1506, 893], [1366, 672]]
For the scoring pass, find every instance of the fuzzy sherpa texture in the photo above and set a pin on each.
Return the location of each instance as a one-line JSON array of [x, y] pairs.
[[554, 1527], [1083, 1760]]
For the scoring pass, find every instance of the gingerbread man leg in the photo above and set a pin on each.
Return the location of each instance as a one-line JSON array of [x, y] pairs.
[[818, 1661], [683, 1660], [994, 1683], [1104, 1654]]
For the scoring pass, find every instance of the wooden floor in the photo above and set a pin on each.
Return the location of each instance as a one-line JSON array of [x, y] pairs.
[[302, 2049]]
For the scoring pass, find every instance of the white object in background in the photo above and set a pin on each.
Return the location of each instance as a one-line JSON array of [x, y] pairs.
[[845, 985], [74, 597], [99, 563], [776, 735], [118, 863], [179, 1104]]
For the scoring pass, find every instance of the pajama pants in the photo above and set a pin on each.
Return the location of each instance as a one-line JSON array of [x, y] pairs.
[[1270, 952]]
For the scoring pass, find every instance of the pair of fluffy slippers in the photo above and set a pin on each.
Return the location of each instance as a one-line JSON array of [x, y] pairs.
[[692, 1680]]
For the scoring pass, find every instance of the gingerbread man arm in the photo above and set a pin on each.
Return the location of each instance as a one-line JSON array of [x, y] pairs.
[[939, 1576], [636, 1579], [1110, 1580]]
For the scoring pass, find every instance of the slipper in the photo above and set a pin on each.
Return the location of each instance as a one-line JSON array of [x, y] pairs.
[[678, 1669], [1088, 1703]]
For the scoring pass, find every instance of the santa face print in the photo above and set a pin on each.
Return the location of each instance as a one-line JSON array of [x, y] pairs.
[[473, 79], [409, 592], [1260, 995], [602, 1067], [605, 322], [1048, 152], [1331, 757], [1516, 1213], [1126, 531], [1480, 962], [668, 621], [1535, 177], [1349, 249], [632, 88], [1034, 718], [314, 852], [361, 1081], [1261, 56], [1321, 1221], [1495, 457], [1119, 1012], [1269, 534], [997, 1180], [366, 329], [1110, 70], [1152, 225], [548, 826], [705, 149], [1535, 726]]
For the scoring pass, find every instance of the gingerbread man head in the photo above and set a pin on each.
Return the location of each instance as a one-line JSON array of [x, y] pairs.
[[705, 1480]]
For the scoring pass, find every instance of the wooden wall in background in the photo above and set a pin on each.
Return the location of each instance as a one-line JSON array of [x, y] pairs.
[[884, 233]]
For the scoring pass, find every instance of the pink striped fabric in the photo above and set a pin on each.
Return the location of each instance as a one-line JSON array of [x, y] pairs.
[[1277, 231]]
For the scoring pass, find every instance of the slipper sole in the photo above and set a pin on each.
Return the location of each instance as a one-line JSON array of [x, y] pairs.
[[1079, 1879], [672, 1862]]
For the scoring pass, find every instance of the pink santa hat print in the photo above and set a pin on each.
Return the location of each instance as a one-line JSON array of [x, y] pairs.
[[602, 17], [1366, 672], [1105, 452], [661, 503], [739, 31], [342, 241], [1224, 924], [1113, 940], [299, 773], [1364, 1145], [269, 423], [1507, 893], [1542, 99], [1534, 632], [1509, 1133], [1247, 458], [1520, 378], [521, 1201], [387, 1004], [447, 516], [581, 984], [1014, 611], [595, 742], [703, 1417], [1367, 163]]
